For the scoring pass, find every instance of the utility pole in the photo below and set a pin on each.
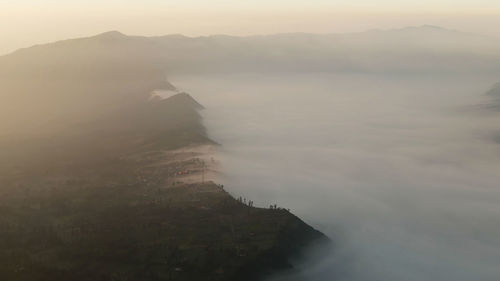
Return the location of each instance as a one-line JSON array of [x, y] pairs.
[[203, 173]]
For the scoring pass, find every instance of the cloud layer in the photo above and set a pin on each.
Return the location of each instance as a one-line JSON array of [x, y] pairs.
[[397, 170]]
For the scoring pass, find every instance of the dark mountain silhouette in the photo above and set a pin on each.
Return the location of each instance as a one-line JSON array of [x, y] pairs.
[[494, 91], [183, 99], [492, 103]]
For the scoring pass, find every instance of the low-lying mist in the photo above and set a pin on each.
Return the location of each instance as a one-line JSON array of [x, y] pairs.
[[400, 172]]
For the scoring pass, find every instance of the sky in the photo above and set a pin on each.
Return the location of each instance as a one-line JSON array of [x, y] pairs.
[[27, 22]]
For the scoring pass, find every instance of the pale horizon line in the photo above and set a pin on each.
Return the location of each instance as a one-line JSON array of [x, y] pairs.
[[403, 27]]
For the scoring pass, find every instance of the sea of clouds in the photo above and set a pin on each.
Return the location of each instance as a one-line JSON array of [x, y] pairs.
[[400, 171]]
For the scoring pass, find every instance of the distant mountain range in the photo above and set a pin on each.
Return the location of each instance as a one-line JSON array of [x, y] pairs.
[[50, 86], [494, 91], [411, 49], [493, 102]]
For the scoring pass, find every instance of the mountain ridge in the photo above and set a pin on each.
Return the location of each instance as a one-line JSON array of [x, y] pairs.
[[115, 34], [406, 50], [112, 202]]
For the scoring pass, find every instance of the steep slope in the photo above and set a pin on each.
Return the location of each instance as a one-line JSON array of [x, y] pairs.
[[494, 92], [147, 125], [53, 86], [107, 204], [126, 233]]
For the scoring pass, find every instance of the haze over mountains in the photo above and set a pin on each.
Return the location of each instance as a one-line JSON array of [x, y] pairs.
[[69, 79], [425, 48], [363, 134], [103, 178]]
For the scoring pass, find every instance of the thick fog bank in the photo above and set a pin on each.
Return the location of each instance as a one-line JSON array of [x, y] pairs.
[[399, 171]]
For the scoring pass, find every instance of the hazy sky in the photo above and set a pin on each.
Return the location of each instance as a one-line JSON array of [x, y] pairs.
[[27, 22]]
